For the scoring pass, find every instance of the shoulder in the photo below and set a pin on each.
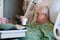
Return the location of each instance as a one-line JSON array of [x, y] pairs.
[[47, 27]]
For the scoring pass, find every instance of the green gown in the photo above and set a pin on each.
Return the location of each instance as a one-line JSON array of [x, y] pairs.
[[39, 32]]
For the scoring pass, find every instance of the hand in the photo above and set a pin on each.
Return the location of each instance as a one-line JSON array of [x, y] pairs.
[[22, 17]]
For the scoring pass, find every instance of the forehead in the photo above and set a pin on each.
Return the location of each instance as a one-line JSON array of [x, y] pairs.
[[42, 8]]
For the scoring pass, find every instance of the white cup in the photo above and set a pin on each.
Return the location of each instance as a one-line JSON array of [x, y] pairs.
[[24, 21]]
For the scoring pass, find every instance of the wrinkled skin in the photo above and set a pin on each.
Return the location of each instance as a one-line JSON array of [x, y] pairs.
[[41, 17]]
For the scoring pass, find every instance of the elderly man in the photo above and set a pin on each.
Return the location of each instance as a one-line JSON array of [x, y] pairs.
[[41, 28]]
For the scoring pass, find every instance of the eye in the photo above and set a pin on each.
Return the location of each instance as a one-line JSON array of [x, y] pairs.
[[37, 14]]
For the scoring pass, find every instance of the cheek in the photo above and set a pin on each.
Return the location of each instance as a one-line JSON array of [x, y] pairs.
[[38, 18]]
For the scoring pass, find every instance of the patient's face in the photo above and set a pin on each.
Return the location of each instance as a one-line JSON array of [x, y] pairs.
[[41, 16]]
